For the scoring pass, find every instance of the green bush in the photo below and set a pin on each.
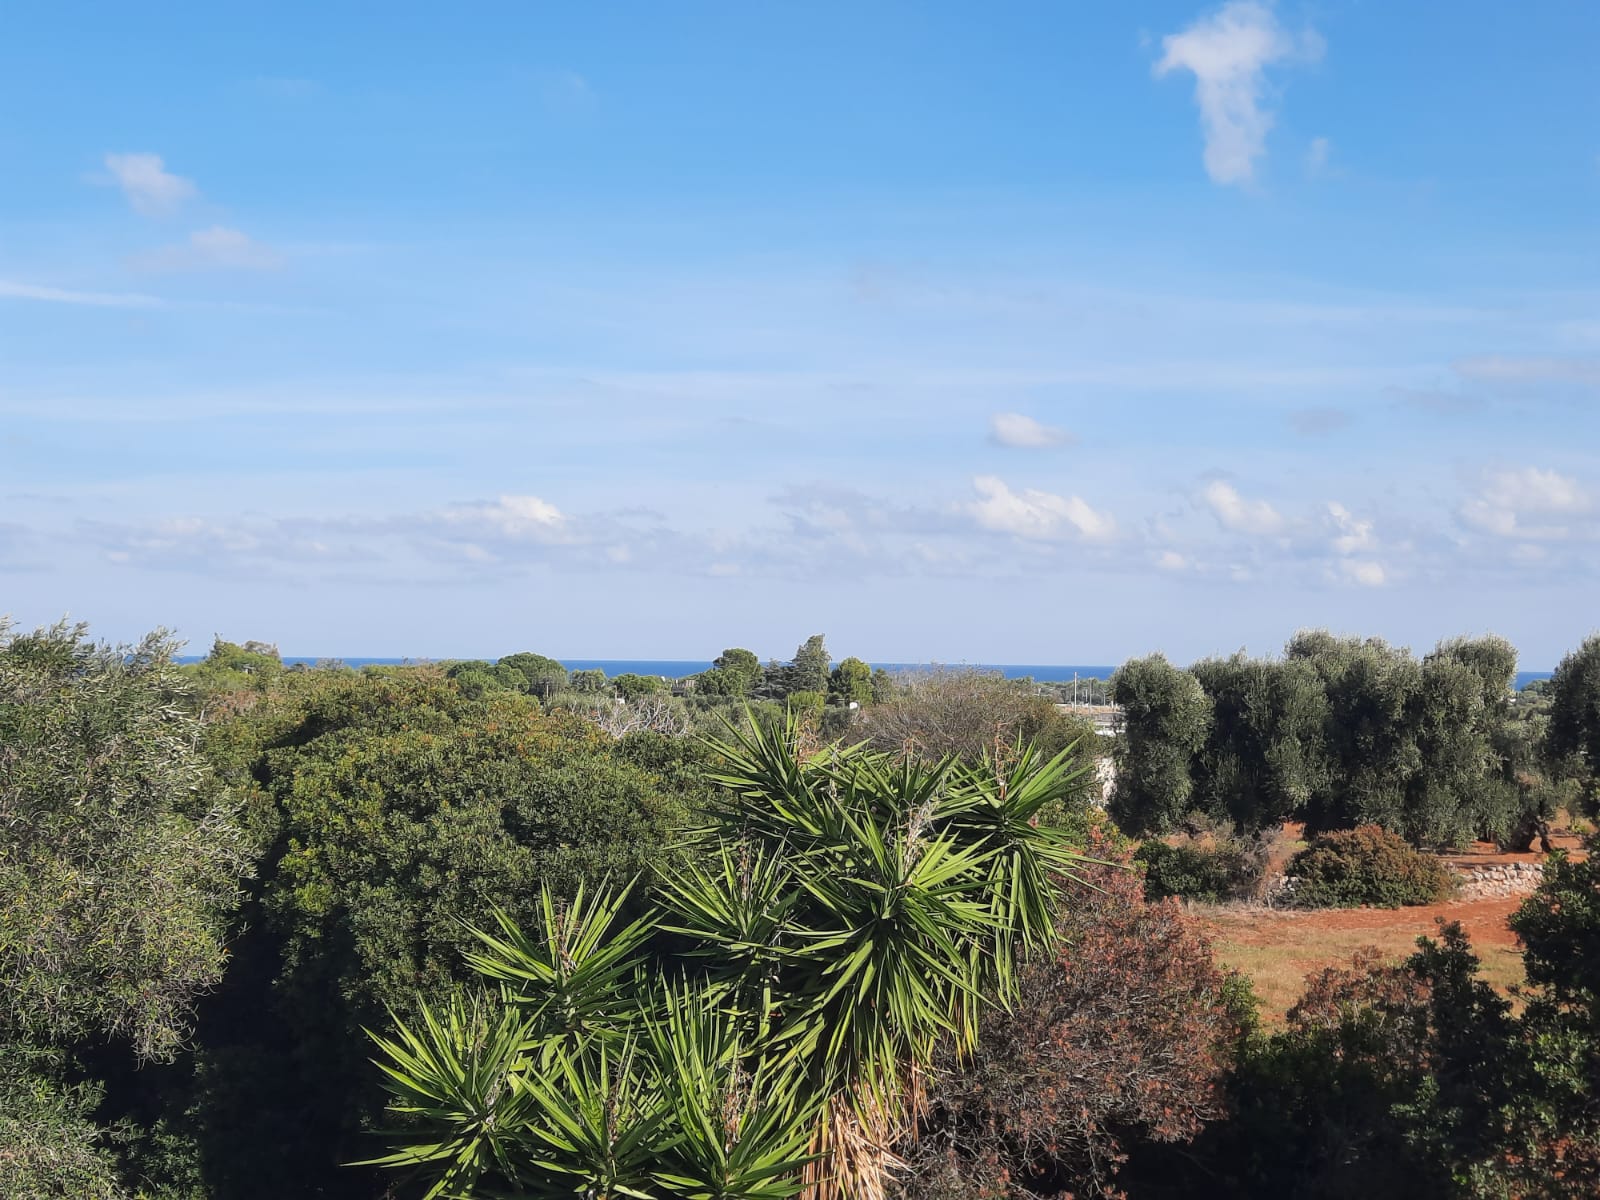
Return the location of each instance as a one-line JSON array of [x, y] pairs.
[[1210, 869], [1366, 865]]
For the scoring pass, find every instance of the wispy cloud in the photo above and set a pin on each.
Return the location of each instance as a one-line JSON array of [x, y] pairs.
[[1355, 542], [1439, 401], [1239, 515], [1228, 52], [1529, 502], [1022, 432], [216, 248], [150, 188], [52, 295], [1530, 369], [516, 517], [1353, 533], [1037, 514], [1363, 571]]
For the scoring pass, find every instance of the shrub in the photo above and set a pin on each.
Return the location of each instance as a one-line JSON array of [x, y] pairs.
[[1121, 1038], [846, 914], [1552, 1121], [1384, 1082], [1366, 865], [1208, 869], [967, 712], [398, 808]]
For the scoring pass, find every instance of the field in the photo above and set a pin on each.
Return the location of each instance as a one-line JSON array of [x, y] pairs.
[[1278, 949]]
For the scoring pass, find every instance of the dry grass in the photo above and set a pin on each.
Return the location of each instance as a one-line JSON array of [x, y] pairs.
[[1278, 949]]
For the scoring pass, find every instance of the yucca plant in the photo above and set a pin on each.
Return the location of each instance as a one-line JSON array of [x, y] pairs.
[[601, 1123], [744, 1118], [577, 977], [899, 894], [845, 912], [449, 1075]]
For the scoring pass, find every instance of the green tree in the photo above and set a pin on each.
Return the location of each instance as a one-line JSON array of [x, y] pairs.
[[476, 677], [1372, 690], [1263, 756], [1166, 718], [592, 682], [846, 913], [1551, 1120], [542, 677], [742, 666], [232, 667], [1574, 732], [883, 685], [49, 1143], [631, 686], [1412, 746], [113, 823], [120, 867], [806, 704], [850, 681], [809, 670], [398, 807], [719, 682]]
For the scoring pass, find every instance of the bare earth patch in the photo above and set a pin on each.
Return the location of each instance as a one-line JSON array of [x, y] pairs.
[[1279, 949]]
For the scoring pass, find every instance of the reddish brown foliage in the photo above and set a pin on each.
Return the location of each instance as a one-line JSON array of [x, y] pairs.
[[1124, 1035]]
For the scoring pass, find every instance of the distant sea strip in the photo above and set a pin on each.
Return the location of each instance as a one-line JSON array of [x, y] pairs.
[[675, 668]]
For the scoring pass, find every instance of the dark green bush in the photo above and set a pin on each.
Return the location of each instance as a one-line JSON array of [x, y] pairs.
[[1211, 869], [1366, 865]]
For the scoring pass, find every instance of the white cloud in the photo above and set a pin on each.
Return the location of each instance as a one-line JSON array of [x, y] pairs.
[[1234, 512], [1363, 571], [216, 248], [1171, 560], [1025, 433], [1228, 52], [1527, 503], [28, 291], [149, 186], [1035, 514], [514, 517], [1353, 534]]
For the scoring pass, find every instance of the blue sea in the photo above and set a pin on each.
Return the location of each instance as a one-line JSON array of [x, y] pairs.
[[677, 668]]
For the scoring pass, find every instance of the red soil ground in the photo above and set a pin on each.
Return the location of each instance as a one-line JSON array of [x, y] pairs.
[[1280, 948]]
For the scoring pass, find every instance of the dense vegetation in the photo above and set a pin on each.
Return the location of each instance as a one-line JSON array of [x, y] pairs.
[[852, 929], [1341, 732], [1347, 868]]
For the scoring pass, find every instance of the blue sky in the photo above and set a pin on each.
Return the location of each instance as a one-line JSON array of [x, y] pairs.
[[1038, 332]]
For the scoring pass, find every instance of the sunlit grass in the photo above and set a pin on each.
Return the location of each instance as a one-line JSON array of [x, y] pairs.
[[1279, 950]]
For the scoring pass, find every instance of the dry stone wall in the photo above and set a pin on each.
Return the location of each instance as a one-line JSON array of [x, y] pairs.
[[1496, 880]]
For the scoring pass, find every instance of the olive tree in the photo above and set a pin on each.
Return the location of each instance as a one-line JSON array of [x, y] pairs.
[[1166, 717], [120, 864], [1574, 734]]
